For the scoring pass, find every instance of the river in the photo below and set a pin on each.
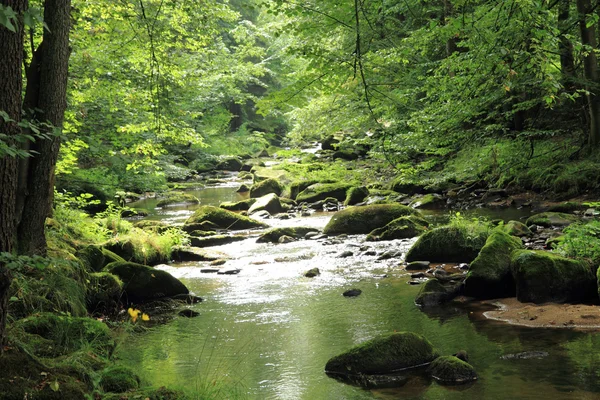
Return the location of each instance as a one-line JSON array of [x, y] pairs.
[[267, 332]]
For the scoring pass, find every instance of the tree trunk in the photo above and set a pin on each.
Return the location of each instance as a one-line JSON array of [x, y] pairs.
[[567, 63], [52, 101], [590, 62], [11, 85]]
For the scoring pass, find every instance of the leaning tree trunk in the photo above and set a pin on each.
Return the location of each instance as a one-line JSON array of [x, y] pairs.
[[590, 63], [52, 95], [11, 84]]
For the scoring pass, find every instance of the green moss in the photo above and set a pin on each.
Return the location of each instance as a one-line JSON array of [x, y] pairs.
[[320, 191], [550, 219], [104, 292], [297, 187], [401, 185], [449, 370], [91, 257], [567, 207], [383, 354], [119, 379], [152, 226], [177, 198], [355, 195], [364, 219], [142, 283], [542, 276], [428, 201], [400, 228], [274, 234], [490, 275], [242, 205], [215, 240], [267, 186], [447, 244], [110, 256], [223, 219], [516, 228]]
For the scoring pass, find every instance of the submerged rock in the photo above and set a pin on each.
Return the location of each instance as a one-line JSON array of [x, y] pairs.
[[450, 370], [542, 276], [352, 293], [384, 354], [490, 275], [526, 355], [187, 313], [434, 293], [364, 219]]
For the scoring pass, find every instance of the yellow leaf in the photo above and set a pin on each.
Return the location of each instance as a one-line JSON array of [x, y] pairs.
[[152, 275], [507, 88], [55, 386], [145, 317]]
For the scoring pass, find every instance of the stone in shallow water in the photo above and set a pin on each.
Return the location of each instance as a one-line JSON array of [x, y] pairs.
[[352, 293], [312, 273], [416, 265], [450, 370], [229, 272], [187, 313]]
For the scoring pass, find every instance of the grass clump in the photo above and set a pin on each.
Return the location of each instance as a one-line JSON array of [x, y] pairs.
[[119, 379], [581, 241]]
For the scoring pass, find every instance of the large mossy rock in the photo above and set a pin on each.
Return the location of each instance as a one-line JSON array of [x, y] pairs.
[[92, 258], [297, 187], [269, 203], [177, 198], [215, 240], [542, 276], [321, 191], [104, 292], [550, 219], [265, 187], [355, 195], [273, 235], [450, 370], [408, 188], [516, 228], [152, 226], [429, 201], [229, 164], [364, 219], [400, 228], [447, 244], [490, 275], [435, 293], [242, 205], [118, 379], [220, 218], [142, 283], [383, 354]]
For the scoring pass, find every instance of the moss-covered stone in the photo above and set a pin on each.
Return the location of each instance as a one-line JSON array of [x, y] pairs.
[[177, 198], [400, 228], [490, 275], [550, 219], [110, 256], [321, 191], [265, 187], [142, 283], [118, 379], [269, 203], [428, 202], [347, 155], [383, 354], [450, 370], [329, 143], [273, 235], [152, 225], [223, 219], [408, 188], [516, 228], [91, 257], [297, 187], [447, 244], [215, 240], [355, 195], [104, 292], [242, 205], [567, 207], [434, 293], [313, 272], [229, 164], [542, 276], [364, 219], [204, 226]]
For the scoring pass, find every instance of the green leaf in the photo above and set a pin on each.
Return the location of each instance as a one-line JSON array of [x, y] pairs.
[[55, 386]]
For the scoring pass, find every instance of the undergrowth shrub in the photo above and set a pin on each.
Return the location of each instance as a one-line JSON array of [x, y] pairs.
[[581, 241]]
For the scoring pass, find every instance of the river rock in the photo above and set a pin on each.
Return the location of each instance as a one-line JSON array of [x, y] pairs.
[[345, 254], [321, 191], [490, 275], [273, 235], [187, 313], [243, 205], [215, 240], [243, 188], [446, 244], [229, 164], [428, 202], [364, 219], [449, 370], [269, 202], [352, 293], [311, 273], [550, 219], [355, 195], [434, 293], [384, 354], [221, 218], [516, 228], [542, 277], [286, 239], [401, 228], [417, 265], [142, 283], [182, 254], [232, 271], [265, 187]]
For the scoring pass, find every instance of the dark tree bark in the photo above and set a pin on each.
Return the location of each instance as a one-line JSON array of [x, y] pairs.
[[51, 99], [11, 58], [567, 63], [590, 63]]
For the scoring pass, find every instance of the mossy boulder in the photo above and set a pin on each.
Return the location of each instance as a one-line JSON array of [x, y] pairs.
[[242, 205], [215, 240], [329, 143], [355, 195], [550, 219], [152, 226], [297, 187], [567, 207], [450, 370], [542, 276], [408, 188], [273, 235], [265, 187], [92, 258], [516, 228], [177, 198], [221, 218], [364, 219], [142, 283], [428, 202], [269, 203], [347, 155], [447, 244], [118, 379], [321, 191], [490, 275], [434, 293], [384, 354], [400, 228], [229, 164], [104, 292]]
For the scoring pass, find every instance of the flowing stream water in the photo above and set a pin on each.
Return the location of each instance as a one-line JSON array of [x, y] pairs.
[[267, 332]]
